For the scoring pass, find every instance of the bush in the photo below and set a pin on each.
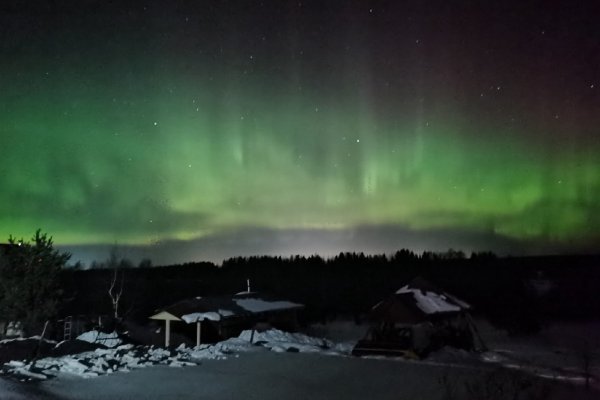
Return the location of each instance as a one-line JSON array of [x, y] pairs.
[[29, 281]]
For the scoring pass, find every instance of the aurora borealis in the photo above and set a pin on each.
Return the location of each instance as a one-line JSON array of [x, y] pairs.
[[201, 130]]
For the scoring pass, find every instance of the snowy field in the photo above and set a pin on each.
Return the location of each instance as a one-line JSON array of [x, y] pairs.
[[558, 349], [268, 375], [258, 375], [294, 366]]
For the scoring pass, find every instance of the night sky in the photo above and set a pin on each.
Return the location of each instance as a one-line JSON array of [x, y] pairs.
[[199, 130]]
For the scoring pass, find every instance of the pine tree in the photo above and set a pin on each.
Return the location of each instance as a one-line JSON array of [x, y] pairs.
[[30, 290]]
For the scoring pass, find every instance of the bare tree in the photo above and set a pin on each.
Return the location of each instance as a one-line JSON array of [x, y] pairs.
[[115, 290]]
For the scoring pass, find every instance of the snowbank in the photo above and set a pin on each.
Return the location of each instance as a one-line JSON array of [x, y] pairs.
[[127, 357], [280, 341], [99, 362]]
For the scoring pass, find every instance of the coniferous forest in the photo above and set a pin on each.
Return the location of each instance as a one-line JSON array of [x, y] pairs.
[[517, 294]]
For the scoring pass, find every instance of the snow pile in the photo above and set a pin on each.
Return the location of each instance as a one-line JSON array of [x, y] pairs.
[[218, 351], [280, 341], [107, 339], [273, 340], [124, 358], [102, 361]]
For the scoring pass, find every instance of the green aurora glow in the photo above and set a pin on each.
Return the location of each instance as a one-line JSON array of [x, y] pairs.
[[138, 151]]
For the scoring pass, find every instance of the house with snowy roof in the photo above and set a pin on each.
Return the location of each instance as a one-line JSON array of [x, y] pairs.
[[417, 318], [214, 318]]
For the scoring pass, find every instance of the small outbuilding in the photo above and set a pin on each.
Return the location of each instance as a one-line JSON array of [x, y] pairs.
[[213, 318], [418, 318]]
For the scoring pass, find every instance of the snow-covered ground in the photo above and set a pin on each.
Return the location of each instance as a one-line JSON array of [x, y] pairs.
[[556, 352], [259, 375], [249, 367], [266, 375], [124, 358]]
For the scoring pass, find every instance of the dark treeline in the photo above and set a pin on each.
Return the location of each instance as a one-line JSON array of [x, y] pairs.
[[506, 290]]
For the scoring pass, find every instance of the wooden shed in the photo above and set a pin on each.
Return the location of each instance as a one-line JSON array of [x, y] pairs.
[[417, 318], [216, 318]]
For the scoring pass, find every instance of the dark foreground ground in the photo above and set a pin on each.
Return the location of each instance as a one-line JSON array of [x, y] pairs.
[[267, 375]]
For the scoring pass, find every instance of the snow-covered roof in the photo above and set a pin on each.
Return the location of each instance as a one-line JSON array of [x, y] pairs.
[[260, 305], [431, 300], [219, 308], [210, 315], [417, 302]]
